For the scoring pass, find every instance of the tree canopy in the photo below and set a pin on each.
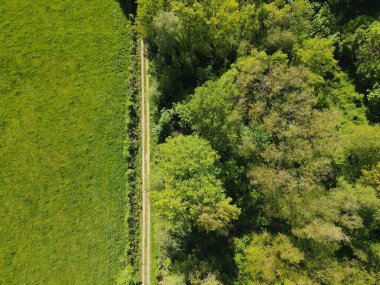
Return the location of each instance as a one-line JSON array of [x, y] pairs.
[[270, 113], [188, 193]]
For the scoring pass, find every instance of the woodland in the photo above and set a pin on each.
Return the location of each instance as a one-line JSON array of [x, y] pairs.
[[266, 168]]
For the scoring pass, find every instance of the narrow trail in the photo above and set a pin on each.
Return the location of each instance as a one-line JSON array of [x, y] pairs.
[[145, 167]]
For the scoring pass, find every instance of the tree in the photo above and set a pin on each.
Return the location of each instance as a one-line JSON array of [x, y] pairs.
[[371, 178], [362, 45], [167, 28], [361, 149], [332, 86], [368, 53], [286, 24], [318, 55], [262, 111], [146, 11], [324, 22], [187, 193], [210, 29], [210, 112], [373, 98], [295, 161], [269, 259]]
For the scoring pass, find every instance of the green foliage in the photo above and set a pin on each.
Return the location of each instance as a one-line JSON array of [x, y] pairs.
[[164, 126], [187, 192], [209, 27], [125, 277], [362, 148], [281, 105], [210, 112], [174, 280], [146, 11], [191, 32], [318, 55], [364, 45], [63, 98], [349, 101], [373, 98], [371, 177], [347, 216], [286, 24], [360, 47], [368, 53], [359, 209], [346, 273], [266, 111], [249, 23], [288, 120], [324, 23], [270, 259], [209, 279], [322, 232], [167, 28], [332, 85]]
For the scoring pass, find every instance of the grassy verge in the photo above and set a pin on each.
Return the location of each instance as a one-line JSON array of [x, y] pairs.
[[63, 96]]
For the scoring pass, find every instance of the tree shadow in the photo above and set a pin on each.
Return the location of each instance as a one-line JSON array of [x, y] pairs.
[[129, 7]]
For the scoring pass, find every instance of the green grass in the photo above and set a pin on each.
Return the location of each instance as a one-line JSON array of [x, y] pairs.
[[62, 171]]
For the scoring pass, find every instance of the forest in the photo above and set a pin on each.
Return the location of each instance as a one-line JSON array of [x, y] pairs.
[[266, 164]]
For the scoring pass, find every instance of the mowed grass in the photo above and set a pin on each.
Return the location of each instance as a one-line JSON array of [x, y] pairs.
[[62, 113]]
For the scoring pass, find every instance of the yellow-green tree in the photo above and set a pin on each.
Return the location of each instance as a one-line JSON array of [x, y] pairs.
[[187, 193]]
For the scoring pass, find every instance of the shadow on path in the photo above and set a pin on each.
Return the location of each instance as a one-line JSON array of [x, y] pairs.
[[128, 7]]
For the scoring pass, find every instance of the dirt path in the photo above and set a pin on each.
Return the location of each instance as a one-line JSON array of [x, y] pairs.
[[145, 168]]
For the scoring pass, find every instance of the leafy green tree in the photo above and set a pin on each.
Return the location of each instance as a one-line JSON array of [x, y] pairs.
[[318, 55], [340, 216], [324, 23], [187, 193], [347, 9], [280, 104], [269, 259], [373, 98], [286, 24], [361, 149], [146, 11], [371, 178], [249, 23], [368, 53], [204, 279], [362, 45], [331, 85], [167, 28], [342, 93], [348, 216], [210, 29], [345, 218], [211, 112], [263, 109]]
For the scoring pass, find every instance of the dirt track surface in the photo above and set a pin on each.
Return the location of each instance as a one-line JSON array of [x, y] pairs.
[[145, 168]]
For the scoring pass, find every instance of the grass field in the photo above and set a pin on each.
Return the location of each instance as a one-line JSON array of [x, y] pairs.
[[62, 172]]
